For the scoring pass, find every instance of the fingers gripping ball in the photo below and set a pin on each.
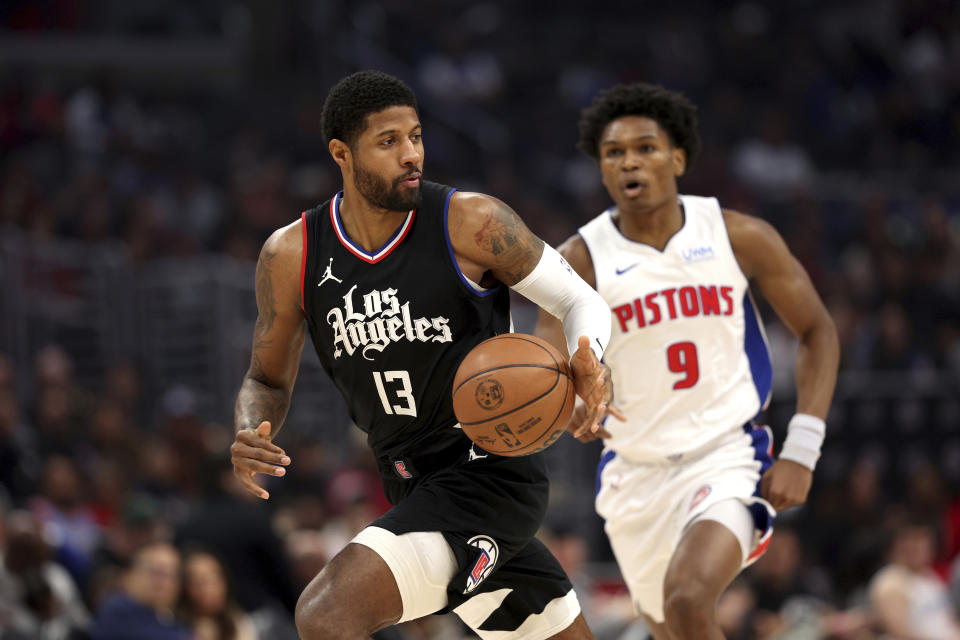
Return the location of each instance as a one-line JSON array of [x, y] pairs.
[[513, 394]]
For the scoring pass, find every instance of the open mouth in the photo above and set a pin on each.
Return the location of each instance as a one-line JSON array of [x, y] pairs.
[[632, 189]]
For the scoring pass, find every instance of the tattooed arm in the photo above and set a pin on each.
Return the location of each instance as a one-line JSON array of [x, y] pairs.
[[490, 240], [278, 338], [492, 244]]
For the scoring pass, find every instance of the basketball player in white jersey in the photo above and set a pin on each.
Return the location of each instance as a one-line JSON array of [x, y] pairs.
[[686, 483]]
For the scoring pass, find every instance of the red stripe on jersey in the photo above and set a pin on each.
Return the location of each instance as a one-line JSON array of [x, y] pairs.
[[384, 251], [760, 548]]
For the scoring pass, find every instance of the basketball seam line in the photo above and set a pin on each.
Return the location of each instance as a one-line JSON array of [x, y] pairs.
[[510, 366], [522, 406]]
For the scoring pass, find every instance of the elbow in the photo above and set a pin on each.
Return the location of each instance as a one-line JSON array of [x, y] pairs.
[[822, 336], [831, 336], [258, 379]]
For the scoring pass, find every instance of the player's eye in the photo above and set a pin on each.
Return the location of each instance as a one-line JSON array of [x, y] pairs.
[[417, 137], [386, 142], [648, 148], [612, 153]]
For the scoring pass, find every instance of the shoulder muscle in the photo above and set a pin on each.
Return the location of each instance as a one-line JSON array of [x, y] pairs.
[[488, 233], [756, 244], [278, 267]]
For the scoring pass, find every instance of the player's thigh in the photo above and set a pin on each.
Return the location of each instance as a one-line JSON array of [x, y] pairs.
[[710, 553], [421, 564], [355, 591]]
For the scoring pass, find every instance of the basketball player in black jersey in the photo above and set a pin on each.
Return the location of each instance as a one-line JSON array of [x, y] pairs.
[[396, 279]]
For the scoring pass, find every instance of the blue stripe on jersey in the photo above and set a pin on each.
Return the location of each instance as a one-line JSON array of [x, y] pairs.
[[453, 256], [762, 440], [604, 460], [758, 353], [342, 232], [761, 517]]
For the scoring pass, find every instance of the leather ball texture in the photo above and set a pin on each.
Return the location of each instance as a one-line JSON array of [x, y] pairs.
[[513, 394]]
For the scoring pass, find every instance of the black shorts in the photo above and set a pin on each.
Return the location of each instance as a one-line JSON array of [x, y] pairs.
[[488, 510]]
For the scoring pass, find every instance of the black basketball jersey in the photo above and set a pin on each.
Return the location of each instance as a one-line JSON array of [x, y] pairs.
[[392, 326]]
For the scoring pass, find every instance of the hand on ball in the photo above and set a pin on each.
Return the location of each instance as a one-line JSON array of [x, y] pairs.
[[594, 385]]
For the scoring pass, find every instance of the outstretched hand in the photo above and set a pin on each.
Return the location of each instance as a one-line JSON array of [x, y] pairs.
[[594, 385], [786, 484], [579, 426], [252, 453]]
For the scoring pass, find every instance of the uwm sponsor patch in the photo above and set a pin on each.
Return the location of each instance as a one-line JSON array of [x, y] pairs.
[[377, 319], [485, 562]]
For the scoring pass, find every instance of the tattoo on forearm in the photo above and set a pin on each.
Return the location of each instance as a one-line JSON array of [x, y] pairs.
[[257, 402], [505, 236]]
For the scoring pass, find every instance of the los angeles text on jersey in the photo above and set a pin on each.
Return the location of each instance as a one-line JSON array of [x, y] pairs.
[[380, 321], [689, 301]]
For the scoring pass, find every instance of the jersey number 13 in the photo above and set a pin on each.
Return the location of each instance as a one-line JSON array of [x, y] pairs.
[[406, 406]]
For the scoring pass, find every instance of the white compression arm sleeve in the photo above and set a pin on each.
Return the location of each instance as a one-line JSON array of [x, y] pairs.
[[555, 287]]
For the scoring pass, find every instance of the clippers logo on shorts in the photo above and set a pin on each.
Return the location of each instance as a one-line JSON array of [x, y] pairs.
[[402, 470], [699, 496], [379, 321], [484, 564]]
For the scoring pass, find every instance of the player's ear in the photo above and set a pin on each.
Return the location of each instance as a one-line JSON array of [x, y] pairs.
[[340, 151], [679, 161]]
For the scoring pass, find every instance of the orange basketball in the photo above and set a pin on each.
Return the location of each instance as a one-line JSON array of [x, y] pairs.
[[513, 394]]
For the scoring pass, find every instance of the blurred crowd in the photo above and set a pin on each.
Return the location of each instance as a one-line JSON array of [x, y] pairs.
[[838, 122], [112, 520]]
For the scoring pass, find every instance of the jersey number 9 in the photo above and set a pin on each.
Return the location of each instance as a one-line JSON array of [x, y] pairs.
[[682, 358]]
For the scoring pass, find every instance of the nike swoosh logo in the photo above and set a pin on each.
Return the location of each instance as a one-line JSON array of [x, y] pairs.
[[620, 272]]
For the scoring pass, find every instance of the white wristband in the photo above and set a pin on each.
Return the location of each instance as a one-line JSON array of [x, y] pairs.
[[805, 434], [558, 290]]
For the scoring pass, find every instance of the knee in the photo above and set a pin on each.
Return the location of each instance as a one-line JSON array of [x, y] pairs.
[[314, 619], [687, 602]]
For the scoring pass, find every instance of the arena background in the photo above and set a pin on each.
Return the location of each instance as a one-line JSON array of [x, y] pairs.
[[148, 148]]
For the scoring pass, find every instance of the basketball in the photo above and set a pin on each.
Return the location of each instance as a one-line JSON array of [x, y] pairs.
[[513, 394]]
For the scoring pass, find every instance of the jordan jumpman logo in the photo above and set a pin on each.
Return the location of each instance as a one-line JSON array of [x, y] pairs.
[[328, 274]]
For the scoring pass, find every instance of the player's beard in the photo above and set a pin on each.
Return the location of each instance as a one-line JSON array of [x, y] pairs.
[[381, 193]]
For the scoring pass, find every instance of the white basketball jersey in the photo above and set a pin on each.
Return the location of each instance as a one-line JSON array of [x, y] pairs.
[[689, 355]]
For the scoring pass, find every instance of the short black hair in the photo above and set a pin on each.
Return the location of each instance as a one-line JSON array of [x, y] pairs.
[[675, 114], [358, 95]]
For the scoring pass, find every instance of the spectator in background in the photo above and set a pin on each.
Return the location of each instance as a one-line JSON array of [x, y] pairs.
[[773, 164], [786, 596], [141, 523], [38, 598], [67, 518], [19, 460], [907, 597], [123, 386], [60, 402], [231, 521], [151, 587], [207, 604], [114, 439]]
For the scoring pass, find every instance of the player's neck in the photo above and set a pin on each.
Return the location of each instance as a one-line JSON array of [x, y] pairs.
[[654, 226], [366, 225]]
